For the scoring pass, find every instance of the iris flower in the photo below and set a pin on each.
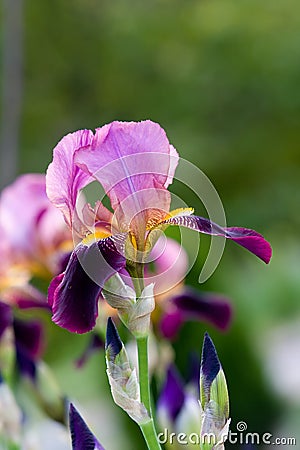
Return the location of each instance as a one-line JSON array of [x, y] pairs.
[[34, 242], [135, 164]]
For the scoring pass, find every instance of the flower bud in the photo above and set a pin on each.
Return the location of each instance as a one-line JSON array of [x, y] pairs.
[[122, 378], [214, 399]]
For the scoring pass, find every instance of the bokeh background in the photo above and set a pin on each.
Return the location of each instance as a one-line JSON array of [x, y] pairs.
[[222, 77]]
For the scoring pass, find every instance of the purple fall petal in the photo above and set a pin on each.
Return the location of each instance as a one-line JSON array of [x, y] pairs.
[[82, 437], [6, 317], [172, 396], [74, 294], [210, 364], [250, 239], [213, 308]]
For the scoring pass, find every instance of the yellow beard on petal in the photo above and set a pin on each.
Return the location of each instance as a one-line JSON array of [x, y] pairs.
[[179, 212], [96, 236], [176, 212]]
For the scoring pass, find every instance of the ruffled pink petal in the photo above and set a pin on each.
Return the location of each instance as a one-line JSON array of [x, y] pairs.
[[135, 163], [31, 228], [64, 179], [21, 205]]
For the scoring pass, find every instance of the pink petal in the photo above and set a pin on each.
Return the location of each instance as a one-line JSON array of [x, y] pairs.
[[135, 163], [64, 179], [21, 204], [170, 265]]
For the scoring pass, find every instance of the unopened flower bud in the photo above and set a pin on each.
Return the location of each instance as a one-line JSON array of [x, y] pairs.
[[122, 378], [214, 399]]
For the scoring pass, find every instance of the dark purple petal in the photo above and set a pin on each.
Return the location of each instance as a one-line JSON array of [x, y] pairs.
[[95, 343], [172, 396], [82, 437], [113, 341], [208, 307], [170, 323], [250, 239], [24, 303], [29, 336], [29, 342], [74, 294], [26, 366], [6, 317], [210, 364]]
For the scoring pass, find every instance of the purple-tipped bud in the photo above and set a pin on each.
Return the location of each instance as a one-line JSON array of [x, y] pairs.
[[113, 341], [213, 397], [82, 437], [210, 364]]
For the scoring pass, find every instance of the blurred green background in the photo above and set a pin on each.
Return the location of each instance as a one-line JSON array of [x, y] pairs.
[[222, 77]]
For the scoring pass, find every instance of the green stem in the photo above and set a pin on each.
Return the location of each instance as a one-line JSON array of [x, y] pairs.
[[148, 428], [150, 436], [142, 345]]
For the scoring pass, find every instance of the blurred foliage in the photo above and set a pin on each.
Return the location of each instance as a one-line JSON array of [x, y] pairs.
[[222, 77]]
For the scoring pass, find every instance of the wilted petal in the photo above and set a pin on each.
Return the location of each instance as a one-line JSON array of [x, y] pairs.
[[171, 398], [64, 179], [135, 163], [250, 239], [74, 294], [204, 306], [82, 437]]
